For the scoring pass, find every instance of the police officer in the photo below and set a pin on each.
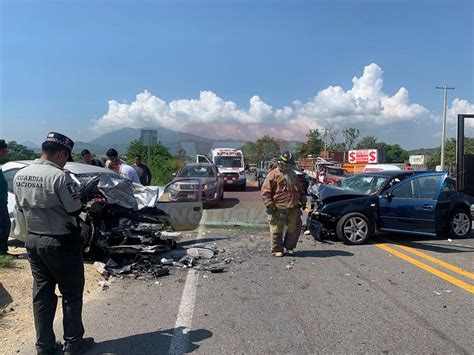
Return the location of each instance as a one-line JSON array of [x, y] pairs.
[[283, 196], [49, 199], [4, 215]]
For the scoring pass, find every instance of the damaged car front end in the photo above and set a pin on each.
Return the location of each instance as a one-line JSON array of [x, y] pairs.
[[328, 204]]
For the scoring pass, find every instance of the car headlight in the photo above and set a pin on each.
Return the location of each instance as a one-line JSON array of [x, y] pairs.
[[242, 172], [184, 186], [209, 186]]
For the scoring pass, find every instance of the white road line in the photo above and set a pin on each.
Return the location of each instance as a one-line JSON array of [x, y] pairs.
[[179, 342]]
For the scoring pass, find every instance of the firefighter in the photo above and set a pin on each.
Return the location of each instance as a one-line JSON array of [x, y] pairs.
[[49, 199], [283, 196]]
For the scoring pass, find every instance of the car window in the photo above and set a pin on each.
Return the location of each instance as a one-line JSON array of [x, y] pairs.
[[448, 186], [9, 175], [197, 171], [336, 172], [404, 190], [427, 186], [363, 184], [228, 162]]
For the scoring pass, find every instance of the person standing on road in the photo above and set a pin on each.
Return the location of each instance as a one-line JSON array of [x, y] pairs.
[[49, 199], [142, 170], [283, 197], [87, 159], [5, 224]]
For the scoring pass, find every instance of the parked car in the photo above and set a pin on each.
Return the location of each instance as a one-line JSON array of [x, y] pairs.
[[252, 168], [211, 181], [391, 201], [370, 168], [331, 175], [262, 171], [146, 203]]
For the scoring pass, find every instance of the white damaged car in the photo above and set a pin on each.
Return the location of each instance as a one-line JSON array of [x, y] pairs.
[[114, 205]]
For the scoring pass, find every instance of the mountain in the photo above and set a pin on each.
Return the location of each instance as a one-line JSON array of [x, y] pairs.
[[33, 146], [173, 140]]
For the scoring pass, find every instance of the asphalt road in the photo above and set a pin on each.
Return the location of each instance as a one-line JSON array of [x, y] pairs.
[[400, 294]]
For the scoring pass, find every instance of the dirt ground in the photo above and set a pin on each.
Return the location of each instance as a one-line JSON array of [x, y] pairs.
[[16, 316]]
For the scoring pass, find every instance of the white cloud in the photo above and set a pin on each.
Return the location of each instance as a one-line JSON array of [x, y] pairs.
[[459, 106], [365, 104]]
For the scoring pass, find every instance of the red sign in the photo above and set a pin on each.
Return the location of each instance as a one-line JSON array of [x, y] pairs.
[[368, 156]]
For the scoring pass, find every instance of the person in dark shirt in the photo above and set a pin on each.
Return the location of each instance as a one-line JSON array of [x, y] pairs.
[[143, 171], [5, 224], [87, 159]]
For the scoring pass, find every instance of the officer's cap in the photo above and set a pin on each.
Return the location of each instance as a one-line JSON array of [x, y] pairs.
[[60, 139], [3, 144]]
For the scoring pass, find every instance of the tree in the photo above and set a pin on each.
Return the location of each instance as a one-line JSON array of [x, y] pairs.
[[350, 137], [450, 152], [369, 142], [264, 148], [392, 153], [20, 152], [249, 151], [162, 164], [313, 145], [268, 146]]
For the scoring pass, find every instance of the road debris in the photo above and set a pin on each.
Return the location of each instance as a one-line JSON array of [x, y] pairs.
[[201, 253]]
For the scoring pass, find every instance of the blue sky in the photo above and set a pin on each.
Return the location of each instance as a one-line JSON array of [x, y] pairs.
[[234, 68]]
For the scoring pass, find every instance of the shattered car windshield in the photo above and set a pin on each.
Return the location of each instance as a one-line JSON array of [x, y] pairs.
[[363, 184], [196, 171], [337, 172], [228, 162], [85, 178]]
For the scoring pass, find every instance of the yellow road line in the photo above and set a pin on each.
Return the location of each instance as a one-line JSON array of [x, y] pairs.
[[444, 264], [430, 269]]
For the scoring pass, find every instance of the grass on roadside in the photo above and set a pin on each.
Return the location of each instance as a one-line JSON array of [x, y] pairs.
[[6, 261]]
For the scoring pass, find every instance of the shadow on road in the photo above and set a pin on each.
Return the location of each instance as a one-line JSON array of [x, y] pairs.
[[149, 343], [201, 241], [5, 298], [225, 203], [252, 188], [321, 253]]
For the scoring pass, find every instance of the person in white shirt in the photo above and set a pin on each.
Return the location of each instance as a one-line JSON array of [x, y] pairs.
[[125, 170]]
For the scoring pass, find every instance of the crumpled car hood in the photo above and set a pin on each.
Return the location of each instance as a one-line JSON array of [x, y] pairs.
[[330, 193]]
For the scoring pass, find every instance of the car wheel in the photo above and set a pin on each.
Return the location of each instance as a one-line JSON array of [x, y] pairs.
[[460, 224], [354, 228], [243, 188]]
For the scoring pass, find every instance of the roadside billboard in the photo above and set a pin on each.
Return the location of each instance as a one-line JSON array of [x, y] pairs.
[[417, 159], [368, 156]]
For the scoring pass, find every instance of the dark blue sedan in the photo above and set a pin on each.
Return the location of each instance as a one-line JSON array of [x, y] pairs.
[[424, 203]]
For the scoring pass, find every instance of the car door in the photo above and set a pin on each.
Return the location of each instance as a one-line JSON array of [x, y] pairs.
[[410, 205], [17, 219], [181, 199], [202, 159]]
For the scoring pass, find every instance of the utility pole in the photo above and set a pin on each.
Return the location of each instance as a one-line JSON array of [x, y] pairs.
[[443, 129]]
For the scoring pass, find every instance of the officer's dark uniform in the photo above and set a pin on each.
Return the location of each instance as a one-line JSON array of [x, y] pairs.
[[4, 215], [47, 195]]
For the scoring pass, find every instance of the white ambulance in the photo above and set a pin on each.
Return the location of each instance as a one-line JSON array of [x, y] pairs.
[[231, 166]]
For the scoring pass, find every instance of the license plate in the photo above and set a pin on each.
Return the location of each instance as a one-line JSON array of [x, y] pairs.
[[230, 182], [191, 196]]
